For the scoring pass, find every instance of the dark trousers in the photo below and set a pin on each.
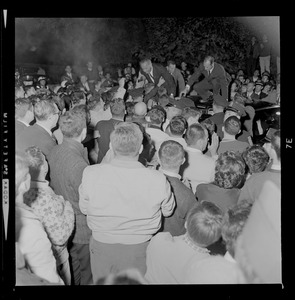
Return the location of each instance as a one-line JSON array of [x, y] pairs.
[[251, 65], [80, 264], [204, 86], [112, 258]]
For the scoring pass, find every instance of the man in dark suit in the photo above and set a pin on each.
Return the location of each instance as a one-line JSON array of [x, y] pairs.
[[214, 78], [157, 74], [24, 115], [46, 113], [69, 76]]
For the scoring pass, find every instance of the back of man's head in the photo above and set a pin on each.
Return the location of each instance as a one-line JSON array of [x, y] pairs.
[[232, 125], [22, 105], [203, 223], [72, 123], [117, 106], [194, 133], [43, 109], [140, 109], [78, 97], [171, 155], [157, 114], [177, 126], [276, 143], [126, 139]]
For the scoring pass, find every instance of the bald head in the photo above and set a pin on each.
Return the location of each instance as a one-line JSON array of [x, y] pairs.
[[140, 109]]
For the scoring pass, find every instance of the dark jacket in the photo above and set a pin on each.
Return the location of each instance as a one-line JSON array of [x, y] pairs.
[[158, 72], [35, 135], [218, 74], [255, 50], [185, 200], [67, 162]]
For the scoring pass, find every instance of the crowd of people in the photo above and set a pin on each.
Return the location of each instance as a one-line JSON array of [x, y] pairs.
[[126, 181]]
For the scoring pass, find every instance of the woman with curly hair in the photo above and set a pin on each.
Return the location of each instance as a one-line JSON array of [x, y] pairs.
[[256, 159], [229, 178]]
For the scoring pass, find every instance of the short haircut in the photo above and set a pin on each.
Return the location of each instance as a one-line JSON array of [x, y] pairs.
[[229, 170], [210, 59], [21, 169], [117, 106], [256, 158], [94, 103], [178, 125], [171, 154], [77, 97], [157, 114], [43, 109], [22, 105], [171, 62], [203, 223], [72, 123], [233, 223], [145, 59], [124, 277], [35, 157], [126, 139], [276, 143], [188, 112], [232, 125], [194, 133]]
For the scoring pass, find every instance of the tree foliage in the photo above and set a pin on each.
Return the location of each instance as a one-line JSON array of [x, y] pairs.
[[191, 39], [115, 40]]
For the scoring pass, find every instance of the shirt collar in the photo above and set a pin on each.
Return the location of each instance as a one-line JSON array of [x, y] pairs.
[[189, 242], [276, 167], [39, 184], [24, 123], [228, 257], [130, 164], [50, 133], [194, 150], [169, 173]]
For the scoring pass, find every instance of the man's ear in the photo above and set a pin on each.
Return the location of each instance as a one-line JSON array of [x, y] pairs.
[[222, 128], [185, 224], [183, 161]]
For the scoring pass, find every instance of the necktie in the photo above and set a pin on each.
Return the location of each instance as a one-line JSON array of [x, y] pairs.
[[152, 78]]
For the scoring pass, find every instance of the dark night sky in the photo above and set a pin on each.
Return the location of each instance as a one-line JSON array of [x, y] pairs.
[[111, 40]]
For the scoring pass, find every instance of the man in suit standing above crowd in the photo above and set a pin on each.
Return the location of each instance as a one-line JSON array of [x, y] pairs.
[[156, 73], [214, 78]]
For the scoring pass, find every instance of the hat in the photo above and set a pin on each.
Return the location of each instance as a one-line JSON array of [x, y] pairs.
[[236, 107], [259, 82], [220, 100], [268, 136]]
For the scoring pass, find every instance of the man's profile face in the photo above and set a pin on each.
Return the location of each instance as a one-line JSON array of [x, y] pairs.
[[146, 66], [207, 65]]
